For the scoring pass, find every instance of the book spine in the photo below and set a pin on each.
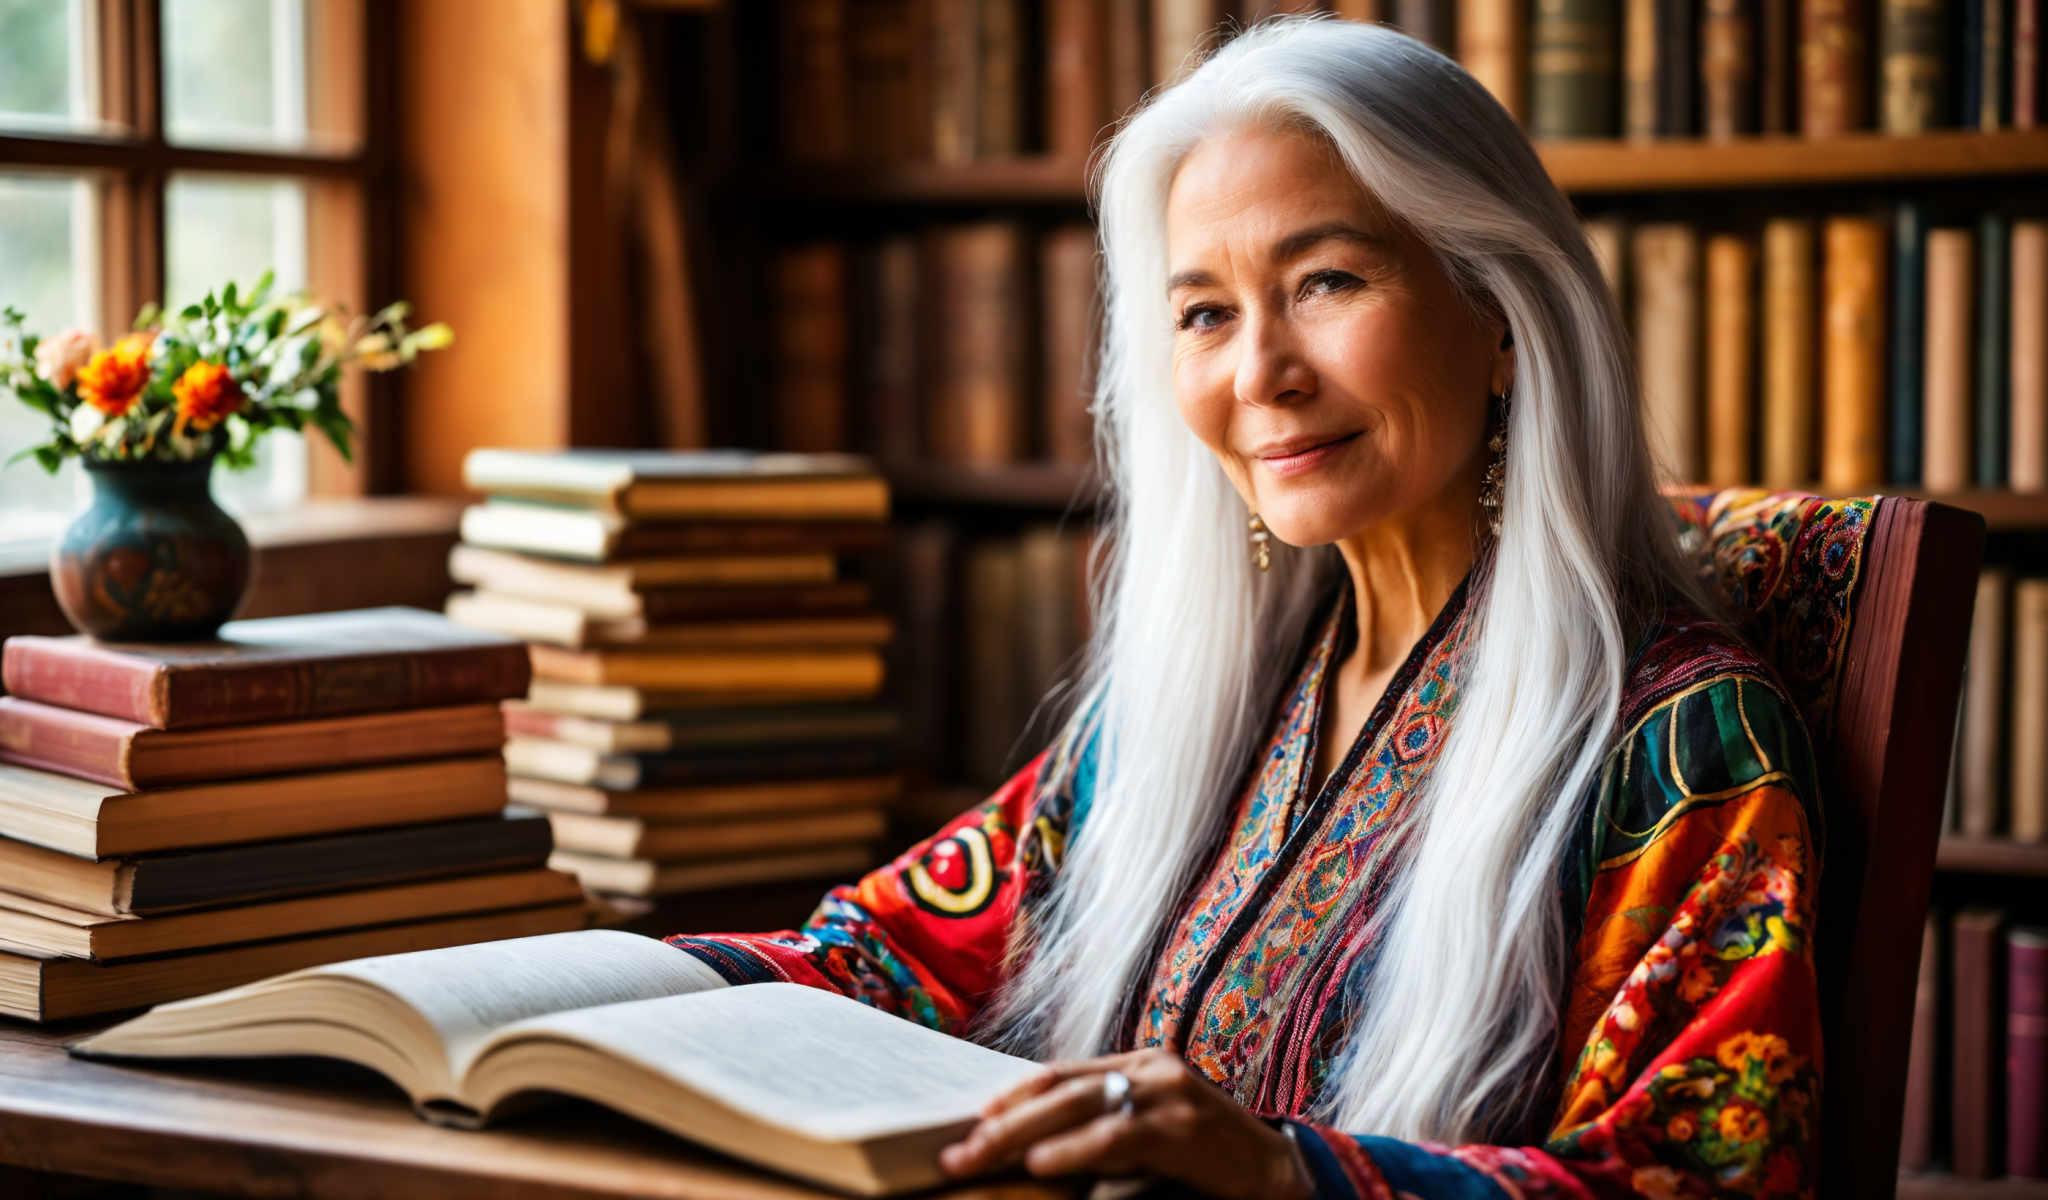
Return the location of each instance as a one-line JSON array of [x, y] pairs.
[[1977, 1049], [887, 343], [882, 49], [213, 696], [955, 63], [813, 71], [1608, 237], [59, 673], [1994, 259], [1731, 365], [1639, 68], [1678, 64], [1908, 343], [1076, 69], [979, 315], [1916, 1130], [811, 349], [1130, 53], [1493, 46], [67, 742], [992, 628], [2026, 63], [2029, 348], [1067, 289], [1946, 384], [2026, 1053], [1991, 90], [1358, 10], [1833, 97], [1852, 408], [2028, 737], [1970, 84], [1179, 28], [1666, 275], [1572, 83], [1728, 67], [1788, 353], [1914, 70], [1984, 712], [999, 47], [1777, 46]]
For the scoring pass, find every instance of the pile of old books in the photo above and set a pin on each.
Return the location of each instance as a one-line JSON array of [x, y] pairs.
[[180, 818], [704, 709]]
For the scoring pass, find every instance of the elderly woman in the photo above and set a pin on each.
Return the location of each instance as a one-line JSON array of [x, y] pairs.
[[1417, 830]]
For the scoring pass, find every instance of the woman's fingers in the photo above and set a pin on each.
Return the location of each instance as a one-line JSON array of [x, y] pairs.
[[1010, 1099], [1003, 1138]]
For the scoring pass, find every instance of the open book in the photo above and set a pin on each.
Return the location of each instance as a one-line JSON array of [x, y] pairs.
[[797, 1079]]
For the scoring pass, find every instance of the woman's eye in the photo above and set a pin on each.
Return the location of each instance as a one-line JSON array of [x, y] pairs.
[[1329, 281], [1203, 317]]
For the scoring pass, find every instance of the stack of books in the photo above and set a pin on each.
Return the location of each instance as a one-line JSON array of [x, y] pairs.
[[704, 709], [179, 818]]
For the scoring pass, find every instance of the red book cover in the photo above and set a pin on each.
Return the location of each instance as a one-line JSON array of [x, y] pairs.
[[1978, 958], [2026, 1051], [275, 669]]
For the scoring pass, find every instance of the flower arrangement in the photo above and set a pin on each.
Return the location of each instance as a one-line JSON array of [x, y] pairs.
[[207, 382]]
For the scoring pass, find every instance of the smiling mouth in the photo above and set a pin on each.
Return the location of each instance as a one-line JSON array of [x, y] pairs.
[[1305, 452]]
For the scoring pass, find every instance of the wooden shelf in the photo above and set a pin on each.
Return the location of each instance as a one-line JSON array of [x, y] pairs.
[[2000, 509], [1939, 1185], [1041, 486], [1992, 856], [1593, 165]]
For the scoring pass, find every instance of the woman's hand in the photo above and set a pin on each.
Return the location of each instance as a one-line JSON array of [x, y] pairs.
[[1177, 1125]]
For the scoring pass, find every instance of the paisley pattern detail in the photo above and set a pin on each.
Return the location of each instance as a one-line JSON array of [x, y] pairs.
[[956, 877]]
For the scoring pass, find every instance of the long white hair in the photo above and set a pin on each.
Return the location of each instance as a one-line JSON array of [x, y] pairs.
[[1455, 1033]]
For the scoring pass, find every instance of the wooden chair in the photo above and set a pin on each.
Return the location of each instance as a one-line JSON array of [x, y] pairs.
[[1881, 702]]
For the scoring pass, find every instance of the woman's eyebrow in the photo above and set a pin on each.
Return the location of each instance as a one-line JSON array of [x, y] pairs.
[[1294, 245]]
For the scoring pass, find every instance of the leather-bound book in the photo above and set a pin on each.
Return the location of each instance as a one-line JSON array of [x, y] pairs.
[[1609, 238], [1076, 75], [1857, 252], [812, 71], [1977, 1052], [1639, 68], [999, 76], [1731, 361], [955, 71], [1573, 83], [2026, 64], [1046, 638], [274, 669], [1129, 63], [1066, 259], [978, 316], [2028, 793], [924, 666], [1993, 404], [1950, 358], [1432, 21], [885, 324], [1678, 67], [1833, 95], [1908, 343], [1728, 42], [1493, 46], [1179, 28], [884, 68], [1970, 76], [1984, 712], [1993, 68], [993, 618], [1359, 10], [1667, 326], [2028, 461], [2026, 1052], [1791, 328], [811, 349], [1777, 66], [1916, 1130], [1914, 95]]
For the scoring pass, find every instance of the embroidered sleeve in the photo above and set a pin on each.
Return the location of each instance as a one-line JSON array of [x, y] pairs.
[[923, 937], [1691, 1044]]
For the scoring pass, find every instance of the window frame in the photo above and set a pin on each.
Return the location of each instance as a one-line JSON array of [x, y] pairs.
[[350, 253]]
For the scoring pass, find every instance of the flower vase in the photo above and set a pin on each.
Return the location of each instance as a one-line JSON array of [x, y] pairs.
[[153, 558]]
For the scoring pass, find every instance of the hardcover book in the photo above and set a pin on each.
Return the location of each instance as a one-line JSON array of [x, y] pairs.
[[694, 484]]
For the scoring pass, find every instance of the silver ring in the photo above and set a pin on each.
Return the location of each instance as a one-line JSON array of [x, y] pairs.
[[1116, 1093]]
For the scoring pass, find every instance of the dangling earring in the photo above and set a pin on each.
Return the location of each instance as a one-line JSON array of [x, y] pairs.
[[1490, 488], [1260, 553]]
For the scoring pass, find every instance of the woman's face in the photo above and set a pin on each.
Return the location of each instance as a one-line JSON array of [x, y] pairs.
[[1319, 350]]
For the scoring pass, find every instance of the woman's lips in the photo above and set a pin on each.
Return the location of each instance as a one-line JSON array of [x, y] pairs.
[[1302, 461]]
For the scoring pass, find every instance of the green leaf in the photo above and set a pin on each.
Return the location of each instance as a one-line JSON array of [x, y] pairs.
[[192, 312], [147, 317], [227, 295], [51, 458]]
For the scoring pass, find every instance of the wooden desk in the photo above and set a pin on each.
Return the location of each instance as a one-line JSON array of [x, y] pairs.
[[318, 1129]]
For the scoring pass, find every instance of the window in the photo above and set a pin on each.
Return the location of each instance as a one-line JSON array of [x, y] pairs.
[[152, 149]]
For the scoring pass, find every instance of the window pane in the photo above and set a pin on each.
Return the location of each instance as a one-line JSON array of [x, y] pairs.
[[272, 73], [47, 271], [46, 68], [219, 229]]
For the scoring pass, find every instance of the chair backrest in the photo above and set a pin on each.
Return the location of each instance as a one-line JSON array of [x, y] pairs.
[[1863, 606]]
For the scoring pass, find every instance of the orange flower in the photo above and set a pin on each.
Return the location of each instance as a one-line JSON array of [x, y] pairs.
[[115, 377], [1682, 1127], [205, 394], [1742, 1122]]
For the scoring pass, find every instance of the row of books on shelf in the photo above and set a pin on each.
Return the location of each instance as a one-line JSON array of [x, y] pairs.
[[705, 704], [1904, 349], [1998, 786], [955, 81], [967, 344], [1977, 1071], [180, 818]]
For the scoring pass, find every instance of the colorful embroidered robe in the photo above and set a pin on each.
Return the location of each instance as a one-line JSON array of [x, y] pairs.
[[1690, 1047]]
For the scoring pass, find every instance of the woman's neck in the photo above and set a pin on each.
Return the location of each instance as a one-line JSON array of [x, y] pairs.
[[1403, 572]]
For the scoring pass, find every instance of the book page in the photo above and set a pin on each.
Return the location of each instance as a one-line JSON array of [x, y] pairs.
[[802, 1058], [466, 992]]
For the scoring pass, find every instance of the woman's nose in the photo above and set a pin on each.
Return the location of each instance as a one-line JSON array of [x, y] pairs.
[[1271, 366]]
